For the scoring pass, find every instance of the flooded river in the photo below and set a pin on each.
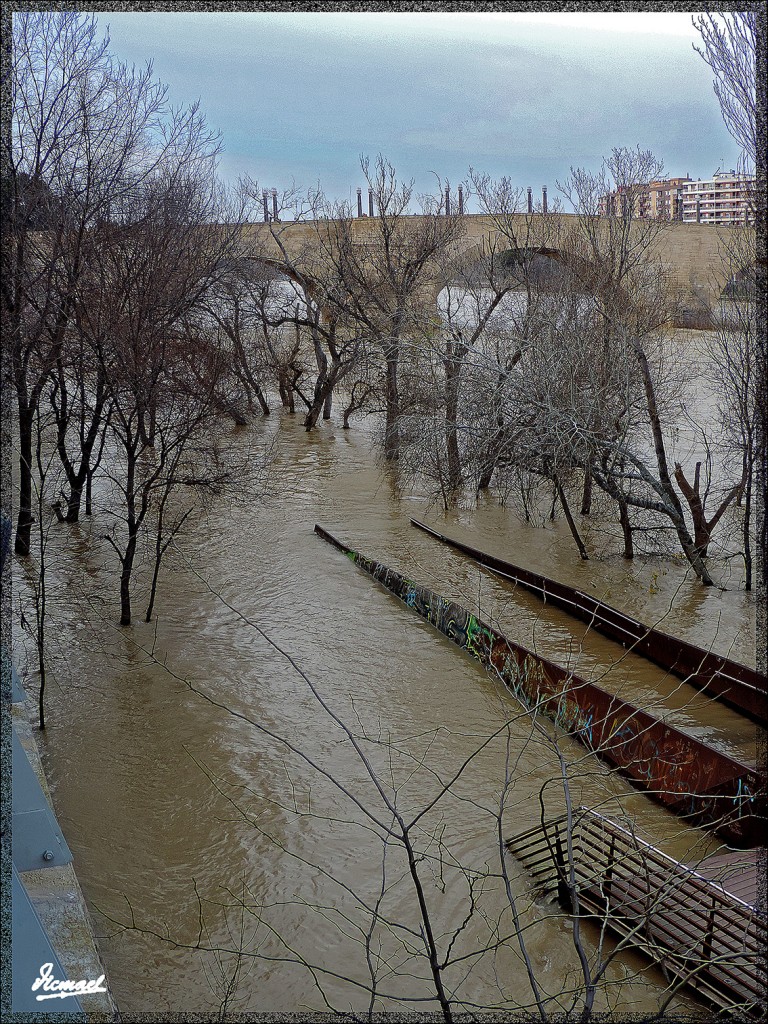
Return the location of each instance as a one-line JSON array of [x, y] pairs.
[[246, 750]]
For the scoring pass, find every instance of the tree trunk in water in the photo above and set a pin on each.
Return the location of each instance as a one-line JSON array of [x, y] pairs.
[[88, 488], [702, 530], [451, 418], [486, 474], [25, 520], [322, 392], [322, 400], [41, 698], [491, 454], [130, 548], [626, 529], [155, 574], [73, 502], [262, 401], [286, 395], [125, 583], [701, 533], [571, 524], [746, 527], [313, 415], [686, 543], [692, 553], [392, 427], [586, 497]]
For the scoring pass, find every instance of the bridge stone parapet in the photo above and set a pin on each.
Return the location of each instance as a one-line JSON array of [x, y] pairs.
[[690, 255]]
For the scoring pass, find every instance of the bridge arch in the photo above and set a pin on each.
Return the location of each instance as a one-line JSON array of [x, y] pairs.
[[546, 267], [549, 266], [283, 269], [742, 284], [691, 254]]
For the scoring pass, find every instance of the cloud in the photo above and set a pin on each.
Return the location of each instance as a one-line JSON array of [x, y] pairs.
[[300, 95]]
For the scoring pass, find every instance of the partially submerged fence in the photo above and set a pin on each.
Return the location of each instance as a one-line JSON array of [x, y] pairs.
[[688, 776], [699, 932], [737, 685]]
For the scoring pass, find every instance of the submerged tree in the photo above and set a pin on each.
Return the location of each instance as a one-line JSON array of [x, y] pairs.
[[383, 266], [627, 289], [86, 133], [161, 366], [554, 363]]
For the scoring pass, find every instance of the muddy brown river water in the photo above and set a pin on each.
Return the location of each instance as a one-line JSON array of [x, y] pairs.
[[173, 784]]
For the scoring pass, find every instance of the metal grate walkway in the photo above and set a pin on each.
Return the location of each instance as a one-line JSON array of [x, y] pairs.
[[694, 927]]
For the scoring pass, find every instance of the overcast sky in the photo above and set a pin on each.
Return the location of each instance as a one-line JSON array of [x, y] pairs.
[[300, 96]]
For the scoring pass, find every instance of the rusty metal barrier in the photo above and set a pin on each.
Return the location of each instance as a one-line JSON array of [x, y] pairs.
[[691, 778], [737, 685]]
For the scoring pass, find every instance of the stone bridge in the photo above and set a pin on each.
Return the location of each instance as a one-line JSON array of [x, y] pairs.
[[690, 254]]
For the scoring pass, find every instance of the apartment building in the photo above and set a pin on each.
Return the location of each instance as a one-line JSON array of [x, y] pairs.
[[726, 198], [663, 200], [657, 200]]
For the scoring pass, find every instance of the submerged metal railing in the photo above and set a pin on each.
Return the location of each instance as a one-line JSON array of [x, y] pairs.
[[691, 778], [739, 686], [708, 938]]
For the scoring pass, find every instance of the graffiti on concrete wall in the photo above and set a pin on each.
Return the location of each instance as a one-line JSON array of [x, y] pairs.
[[690, 777]]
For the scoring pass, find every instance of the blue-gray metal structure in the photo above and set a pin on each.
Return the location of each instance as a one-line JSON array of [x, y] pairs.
[[13, 691], [37, 839], [37, 842], [32, 949]]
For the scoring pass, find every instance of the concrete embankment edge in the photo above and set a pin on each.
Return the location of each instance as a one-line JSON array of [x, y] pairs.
[[58, 899]]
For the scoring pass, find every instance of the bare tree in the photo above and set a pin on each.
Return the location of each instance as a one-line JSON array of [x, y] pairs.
[[86, 132], [475, 309], [526, 238], [383, 270], [616, 264], [732, 351], [312, 342], [729, 46], [442, 369], [233, 307], [572, 380], [161, 366], [79, 398], [37, 570], [731, 42]]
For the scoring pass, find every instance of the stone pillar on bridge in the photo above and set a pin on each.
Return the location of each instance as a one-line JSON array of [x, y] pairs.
[[359, 202], [530, 200], [461, 200], [274, 204], [447, 202], [370, 202], [265, 204], [544, 199]]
